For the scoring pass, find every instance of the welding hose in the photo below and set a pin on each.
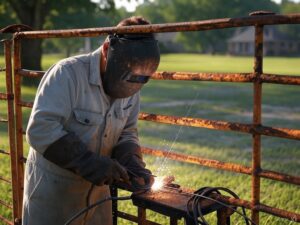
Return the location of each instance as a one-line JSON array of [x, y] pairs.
[[194, 204], [94, 205]]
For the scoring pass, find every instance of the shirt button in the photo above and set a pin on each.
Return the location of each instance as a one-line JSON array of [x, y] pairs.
[[105, 135], [86, 120]]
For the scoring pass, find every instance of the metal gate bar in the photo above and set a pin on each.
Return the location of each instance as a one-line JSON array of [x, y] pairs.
[[257, 78], [9, 97]]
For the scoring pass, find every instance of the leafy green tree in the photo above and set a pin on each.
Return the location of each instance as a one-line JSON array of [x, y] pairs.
[[292, 30], [193, 10], [41, 13]]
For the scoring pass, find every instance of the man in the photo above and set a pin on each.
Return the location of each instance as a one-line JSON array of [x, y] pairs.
[[83, 130]]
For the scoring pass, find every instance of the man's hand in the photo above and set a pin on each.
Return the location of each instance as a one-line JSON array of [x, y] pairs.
[[110, 171], [70, 153], [129, 155]]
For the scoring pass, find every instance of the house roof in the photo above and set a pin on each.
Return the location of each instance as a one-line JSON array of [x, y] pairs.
[[270, 34]]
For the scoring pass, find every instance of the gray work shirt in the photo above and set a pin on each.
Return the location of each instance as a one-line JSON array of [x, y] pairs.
[[70, 98]]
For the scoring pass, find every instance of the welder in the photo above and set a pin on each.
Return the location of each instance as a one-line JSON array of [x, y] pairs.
[[82, 130]]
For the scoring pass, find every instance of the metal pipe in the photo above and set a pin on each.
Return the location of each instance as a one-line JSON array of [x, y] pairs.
[[221, 165], [189, 76], [4, 152], [169, 27], [6, 220], [256, 140], [11, 130], [2, 120], [5, 180], [25, 104], [5, 204], [222, 125], [18, 120], [260, 207]]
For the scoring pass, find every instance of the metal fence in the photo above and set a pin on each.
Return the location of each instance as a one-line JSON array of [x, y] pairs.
[[256, 129], [8, 96]]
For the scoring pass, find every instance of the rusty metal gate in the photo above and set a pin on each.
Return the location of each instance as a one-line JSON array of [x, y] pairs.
[[14, 207], [256, 129]]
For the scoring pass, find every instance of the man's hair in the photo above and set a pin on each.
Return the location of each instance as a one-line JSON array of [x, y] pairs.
[[134, 20]]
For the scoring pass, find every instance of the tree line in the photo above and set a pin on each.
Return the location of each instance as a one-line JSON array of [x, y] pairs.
[[63, 14]]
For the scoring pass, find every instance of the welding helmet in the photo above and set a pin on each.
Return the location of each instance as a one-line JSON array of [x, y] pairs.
[[131, 60]]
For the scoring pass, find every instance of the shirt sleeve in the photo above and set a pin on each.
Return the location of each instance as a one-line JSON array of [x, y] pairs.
[[52, 108], [130, 132]]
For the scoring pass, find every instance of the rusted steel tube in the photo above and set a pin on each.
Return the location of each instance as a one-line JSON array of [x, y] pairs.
[[31, 73], [279, 212], [2, 120], [197, 122], [261, 207], [188, 76], [222, 125], [6, 220], [11, 130], [5, 204], [256, 140], [280, 79], [4, 152], [169, 27], [26, 104], [198, 160], [218, 77], [279, 176], [18, 121], [3, 96], [5, 180], [221, 165]]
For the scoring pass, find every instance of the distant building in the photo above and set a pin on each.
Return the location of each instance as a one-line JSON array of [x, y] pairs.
[[275, 43], [167, 42]]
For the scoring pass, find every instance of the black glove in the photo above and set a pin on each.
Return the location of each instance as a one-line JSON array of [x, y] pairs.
[[69, 152], [130, 156]]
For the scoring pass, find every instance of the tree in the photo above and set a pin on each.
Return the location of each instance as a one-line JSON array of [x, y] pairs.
[[39, 13], [292, 30], [192, 10]]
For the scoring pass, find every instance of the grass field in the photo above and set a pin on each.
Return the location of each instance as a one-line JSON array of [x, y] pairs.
[[219, 101]]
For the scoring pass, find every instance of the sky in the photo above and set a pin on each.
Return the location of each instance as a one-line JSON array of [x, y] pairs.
[[130, 5]]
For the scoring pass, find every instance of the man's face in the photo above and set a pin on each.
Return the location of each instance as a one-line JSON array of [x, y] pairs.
[[130, 61]]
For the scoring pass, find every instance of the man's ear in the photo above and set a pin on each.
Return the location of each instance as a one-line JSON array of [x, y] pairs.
[[105, 49]]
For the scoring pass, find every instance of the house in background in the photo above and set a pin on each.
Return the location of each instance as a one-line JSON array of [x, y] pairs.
[[275, 43]]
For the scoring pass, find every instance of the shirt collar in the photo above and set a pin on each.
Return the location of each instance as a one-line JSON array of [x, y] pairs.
[[95, 76]]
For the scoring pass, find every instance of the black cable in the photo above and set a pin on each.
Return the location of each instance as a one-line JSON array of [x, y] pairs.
[[94, 205], [212, 199], [194, 203]]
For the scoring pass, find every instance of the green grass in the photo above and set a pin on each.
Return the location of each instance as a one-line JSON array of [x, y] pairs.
[[218, 101]]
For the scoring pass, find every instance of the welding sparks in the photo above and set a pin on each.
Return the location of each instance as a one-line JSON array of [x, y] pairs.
[[158, 184]]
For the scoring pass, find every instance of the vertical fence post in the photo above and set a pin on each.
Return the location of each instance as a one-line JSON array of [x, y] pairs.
[[18, 116], [141, 216], [114, 193], [256, 156], [11, 130]]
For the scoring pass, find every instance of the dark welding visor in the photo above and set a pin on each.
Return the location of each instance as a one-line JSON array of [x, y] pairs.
[[131, 60]]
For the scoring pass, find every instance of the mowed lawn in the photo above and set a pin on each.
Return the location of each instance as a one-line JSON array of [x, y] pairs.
[[209, 100]]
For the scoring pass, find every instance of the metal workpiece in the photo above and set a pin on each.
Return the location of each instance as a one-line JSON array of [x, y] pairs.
[[169, 27]]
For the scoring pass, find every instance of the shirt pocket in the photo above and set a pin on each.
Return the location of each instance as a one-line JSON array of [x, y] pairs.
[[88, 118], [123, 111]]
